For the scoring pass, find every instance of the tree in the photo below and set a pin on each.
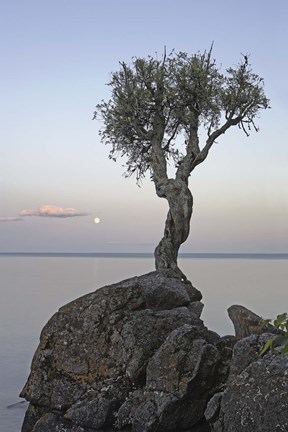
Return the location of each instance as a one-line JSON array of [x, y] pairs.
[[156, 105]]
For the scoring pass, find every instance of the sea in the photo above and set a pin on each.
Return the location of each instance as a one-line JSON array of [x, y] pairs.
[[34, 286]]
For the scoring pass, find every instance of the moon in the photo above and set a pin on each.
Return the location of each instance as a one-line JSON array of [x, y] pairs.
[[96, 220]]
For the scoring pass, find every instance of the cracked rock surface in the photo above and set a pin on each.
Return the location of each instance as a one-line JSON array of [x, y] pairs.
[[136, 357], [132, 356], [256, 396]]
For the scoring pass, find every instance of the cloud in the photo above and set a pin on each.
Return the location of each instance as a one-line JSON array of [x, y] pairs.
[[52, 211], [10, 219]]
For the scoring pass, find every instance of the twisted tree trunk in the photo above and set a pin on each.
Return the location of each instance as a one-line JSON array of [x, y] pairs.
[[177, 224], [176, 191]]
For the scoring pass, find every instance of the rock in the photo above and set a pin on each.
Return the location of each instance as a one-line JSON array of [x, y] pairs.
[[212, 411], [179, 360], [136, 357], [247, 322], [256, 396], [52, 422], [94, 412], [131, 356], [32, 415], [181, 376]]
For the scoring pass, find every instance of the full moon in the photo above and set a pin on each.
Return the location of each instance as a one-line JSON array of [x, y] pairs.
[[96, 220]]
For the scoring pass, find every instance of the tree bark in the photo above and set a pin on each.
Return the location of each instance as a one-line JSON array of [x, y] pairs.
[[177, 225]]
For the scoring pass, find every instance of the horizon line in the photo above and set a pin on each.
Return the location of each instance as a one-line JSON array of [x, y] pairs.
[[151, 254]]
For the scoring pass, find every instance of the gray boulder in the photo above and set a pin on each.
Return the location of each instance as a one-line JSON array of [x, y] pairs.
[[247, 322], [256, 396], [131, 356], [181, 377]]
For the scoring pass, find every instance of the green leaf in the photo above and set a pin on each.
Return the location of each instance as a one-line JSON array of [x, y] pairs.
[[279, 343], [265, 321], [280, 319], [269, 345]]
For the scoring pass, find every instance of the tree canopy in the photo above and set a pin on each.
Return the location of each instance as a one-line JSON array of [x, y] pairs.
[[181, 93]]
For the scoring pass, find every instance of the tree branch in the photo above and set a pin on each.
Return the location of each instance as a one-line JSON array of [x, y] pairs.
[[192, 151], [212, 138], [158, 160], [172, 136]]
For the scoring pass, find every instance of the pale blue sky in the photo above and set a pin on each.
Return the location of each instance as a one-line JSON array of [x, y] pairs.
[[56, 58]]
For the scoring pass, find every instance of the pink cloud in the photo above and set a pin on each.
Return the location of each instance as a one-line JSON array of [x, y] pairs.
[[52, 211], [10, 219]]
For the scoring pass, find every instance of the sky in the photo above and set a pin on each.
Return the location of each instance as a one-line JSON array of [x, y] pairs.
[[56, 178]]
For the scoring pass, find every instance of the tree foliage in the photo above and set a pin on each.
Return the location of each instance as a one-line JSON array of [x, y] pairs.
[[279, 343], [181, 93]]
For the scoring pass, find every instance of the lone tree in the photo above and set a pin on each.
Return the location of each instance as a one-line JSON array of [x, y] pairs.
[[154, 115]]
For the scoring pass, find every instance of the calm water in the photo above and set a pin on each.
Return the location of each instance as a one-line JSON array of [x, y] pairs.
[[32, 288]]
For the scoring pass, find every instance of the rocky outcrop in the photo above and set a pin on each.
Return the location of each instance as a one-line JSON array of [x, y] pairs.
[[256, 395], [136, 357], [255, 398], [130, 356], [247, 322]]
